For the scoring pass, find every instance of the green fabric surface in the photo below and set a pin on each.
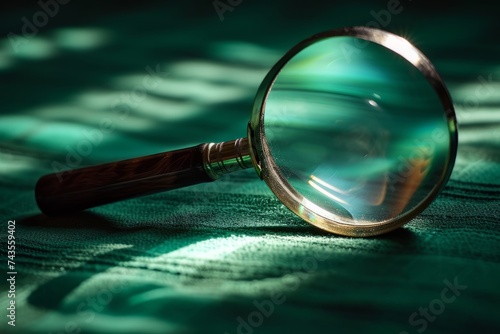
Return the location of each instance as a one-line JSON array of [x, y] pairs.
[[227, 257]]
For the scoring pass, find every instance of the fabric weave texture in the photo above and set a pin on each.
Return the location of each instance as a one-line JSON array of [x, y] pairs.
[[227, 256]]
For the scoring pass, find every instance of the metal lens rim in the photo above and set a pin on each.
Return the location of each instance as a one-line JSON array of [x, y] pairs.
[[268, 170]]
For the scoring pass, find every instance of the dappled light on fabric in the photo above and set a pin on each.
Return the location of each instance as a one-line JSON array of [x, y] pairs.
[[227, 256]]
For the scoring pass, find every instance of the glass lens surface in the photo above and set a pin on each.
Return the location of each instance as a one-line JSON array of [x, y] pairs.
[[356, 130]]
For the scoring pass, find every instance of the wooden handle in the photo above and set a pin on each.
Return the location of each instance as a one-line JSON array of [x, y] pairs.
[[84, 188]]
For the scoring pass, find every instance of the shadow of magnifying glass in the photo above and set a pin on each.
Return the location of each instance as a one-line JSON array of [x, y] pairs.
[[353, 130]]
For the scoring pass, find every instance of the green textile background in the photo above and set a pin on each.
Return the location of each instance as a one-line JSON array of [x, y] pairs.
[[227, 257]]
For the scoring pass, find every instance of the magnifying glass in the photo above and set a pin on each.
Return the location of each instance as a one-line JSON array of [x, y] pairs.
[[353, 130]]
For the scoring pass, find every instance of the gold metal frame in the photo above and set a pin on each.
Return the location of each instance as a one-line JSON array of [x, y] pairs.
[[267, 169]]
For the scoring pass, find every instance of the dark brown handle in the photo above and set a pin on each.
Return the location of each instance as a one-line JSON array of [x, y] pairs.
[[84, 188]]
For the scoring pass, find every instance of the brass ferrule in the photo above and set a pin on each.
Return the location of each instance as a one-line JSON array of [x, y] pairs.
[[226, 157]]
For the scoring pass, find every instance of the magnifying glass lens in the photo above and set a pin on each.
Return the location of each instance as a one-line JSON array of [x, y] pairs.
[[357, 130]]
